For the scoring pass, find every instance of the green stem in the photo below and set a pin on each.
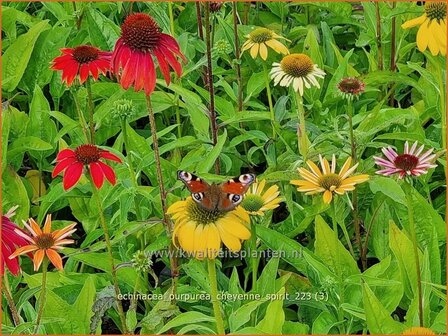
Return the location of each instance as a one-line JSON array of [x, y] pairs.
[[214, 296], [253, 248], [10, 301], [355, 160], [170, 13], [442, 104], [301, 132], [129, 161], [378, 36], [409, 190], [162, 192], [271, 106], [111, 258], [82, 121], [91, 111], [43, 295]]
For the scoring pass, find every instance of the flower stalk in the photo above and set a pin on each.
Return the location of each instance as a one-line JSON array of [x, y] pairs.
[[10, 301], [82, 121], [162, 192], [408, 189], [214, 296], [302, 138], [111, 258], [42, 296], [269, 94], [212, 112], [237, 56], [91, 111]]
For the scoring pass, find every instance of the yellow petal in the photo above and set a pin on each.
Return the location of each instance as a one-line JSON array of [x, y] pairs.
[[314, 168], [328, 196], [346, 166], [186, 236], [235, 227], [254, 50], [277, 46], [178, 206], [213, 242], [247, 45], [432, 42], [423, 36], [309, 176], [414, 22], [355, 180], [263, 51], [232, 242], [199, 241]]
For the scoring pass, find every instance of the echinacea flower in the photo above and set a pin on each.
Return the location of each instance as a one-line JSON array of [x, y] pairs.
[[350, 88], [132, 58], [72, 162], [260, 39], [10, 242], [326, 180], [257, 201], [81, 61], [200, 231], [44, 243], [411, 163], [418, 331], [297, 70], [432, 30]]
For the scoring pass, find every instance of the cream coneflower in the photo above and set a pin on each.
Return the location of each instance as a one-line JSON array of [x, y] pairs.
[[432, 30], [44, 242], [260, 39], [326, 180], [199, 231], [350, 88], [418, 331], [297, 70], [257, 201]]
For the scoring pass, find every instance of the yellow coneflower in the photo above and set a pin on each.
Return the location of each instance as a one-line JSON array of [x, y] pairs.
[[200, 231], [327, 181], [257, 202], [260, 39], [44, 242], [432, 31], [418, 331], [297, 70]]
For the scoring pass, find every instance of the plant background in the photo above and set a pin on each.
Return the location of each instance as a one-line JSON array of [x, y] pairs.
[[38, 118]]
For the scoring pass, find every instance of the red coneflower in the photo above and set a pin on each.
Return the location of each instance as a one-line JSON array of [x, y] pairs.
[[132, 62], [10, 242], [81, 61], [74, 161]]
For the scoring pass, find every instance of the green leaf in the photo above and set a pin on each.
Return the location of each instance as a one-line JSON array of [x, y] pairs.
[[16, 57], [272, 325], [388, 187], [332, 252], [102, 31], [14, 193], [29, 143], [242, 315], [378, 318], [213, 155], [186, 318]]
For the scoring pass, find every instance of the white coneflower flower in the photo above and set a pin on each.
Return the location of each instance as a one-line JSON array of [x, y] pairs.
[[297, 70]]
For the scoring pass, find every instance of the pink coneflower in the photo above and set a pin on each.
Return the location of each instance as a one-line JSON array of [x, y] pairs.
[[81, 61], [412, 162], [132, 59], [11, 240]]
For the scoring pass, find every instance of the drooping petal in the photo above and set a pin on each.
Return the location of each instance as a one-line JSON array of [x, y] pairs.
[[72, 175], [65, 154], [62, 165], [55, 258], [38, 258], [108, 172], [97, 174], [110, 156]]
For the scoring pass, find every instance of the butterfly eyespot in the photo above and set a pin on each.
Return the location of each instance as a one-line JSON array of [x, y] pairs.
[[197, 196], [235, 198], [186, 176], [246, 178]]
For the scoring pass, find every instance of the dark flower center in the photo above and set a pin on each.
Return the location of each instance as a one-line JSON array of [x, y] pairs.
[[87, 154], [203, 216], [297, 65], [351, 86], [406, 162], [85, 54], [44, 241], [215, 6], [435, 10], [261, 35], [140, 32], [330, 181]]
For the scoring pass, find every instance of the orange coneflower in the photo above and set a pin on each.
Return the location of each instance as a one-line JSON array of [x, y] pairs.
[[44, 242]]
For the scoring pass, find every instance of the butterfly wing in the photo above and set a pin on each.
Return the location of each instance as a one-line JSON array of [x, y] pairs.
[[233, 191], [198, 188]]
